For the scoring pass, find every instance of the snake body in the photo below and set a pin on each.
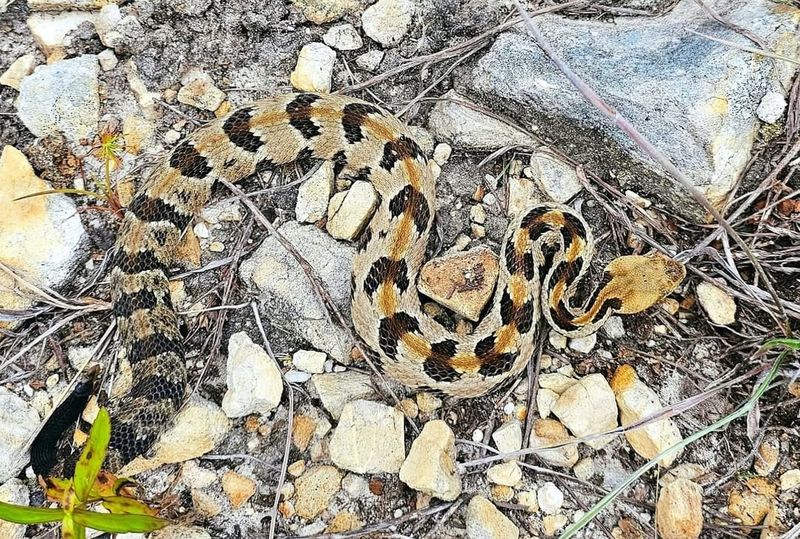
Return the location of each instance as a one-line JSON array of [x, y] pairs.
[[544, 255]]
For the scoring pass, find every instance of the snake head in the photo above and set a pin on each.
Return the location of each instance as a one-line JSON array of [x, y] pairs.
[[640, 282]]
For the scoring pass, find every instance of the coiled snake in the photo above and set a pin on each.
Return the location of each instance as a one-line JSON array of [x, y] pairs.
[[545, 254]]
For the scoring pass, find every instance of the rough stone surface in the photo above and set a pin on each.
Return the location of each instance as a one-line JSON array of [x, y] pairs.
[[338, 388], [40, 237], [557, 179], [508, 474], [588, 407], [61, 97], [550, 432], [322, 11], [286, 294], [197, 429], [466, 128], [50, 29], [550, 498], [637, 401], [177, 531], [313, 195], [706, 123], [368, 438], [18, 421], [315, 489], [485, 521], [772, 107], [314, 68], [309, 361], [15, 492], [508, 437], [719, 306], [18, 70], [430, 467], [679, 510], [463, 282], [790, 479], [370, 60], [253, 379], [343, 37], [387, 21], [350, 211], [198, 90]]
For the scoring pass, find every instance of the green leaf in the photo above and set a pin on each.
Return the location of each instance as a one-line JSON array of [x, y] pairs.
[[118, 523], [93, 455], [123, 505], [70, 529], [794, 344], [21, 514]]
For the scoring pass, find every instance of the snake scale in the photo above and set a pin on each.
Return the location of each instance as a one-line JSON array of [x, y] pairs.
[[545, 254]]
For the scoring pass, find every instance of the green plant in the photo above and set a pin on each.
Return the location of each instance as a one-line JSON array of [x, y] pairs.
[[89, 486], [108, 147]]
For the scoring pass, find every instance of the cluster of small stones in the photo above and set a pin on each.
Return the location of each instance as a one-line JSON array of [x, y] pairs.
[[355, 444]]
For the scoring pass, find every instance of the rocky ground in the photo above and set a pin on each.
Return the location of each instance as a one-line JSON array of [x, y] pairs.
[[288, 431]]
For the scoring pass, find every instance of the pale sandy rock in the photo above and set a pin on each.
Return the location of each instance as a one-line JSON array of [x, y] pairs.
[[556, 382], [553, 523], [588, 407], [14, 492], [430, 467], [313, 195], [108, 61], [768, 455], [198, 91], [368, 438], [145, 98], [177, 531], [550, 498], [369, 61], [322, 11], [40, 237], [105, 23], [350, 211], [584, 469], [343, 37], [62, 97], [197, 429], [556, 178], [50, 29], [428, 402], [195, 476], [528, 499], [614, 327], [508, 437], [253, 379], [65, 5], [790, 479], [485, 521], [463, 282], [771, 107], [719, 306], [315, 489], [441, 153], [637, 401], [207, 503], [507, 473], [314, 68], [18, 70], [387, 21], [679, 510], [309, 361], [751, 502], [522, 193], [466, 128], [545, 399], [546, 432], [687, 470], [238, 488], [222, 212], [584, 345], [338, 388], [557, 340]]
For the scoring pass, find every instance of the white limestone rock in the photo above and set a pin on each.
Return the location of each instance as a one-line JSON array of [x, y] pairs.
[[430, 467], [369, 438], [314, 68], [253, 379]]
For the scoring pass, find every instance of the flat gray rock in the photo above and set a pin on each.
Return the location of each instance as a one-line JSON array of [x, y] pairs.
[[288, 301], [61, 97], [693, 98]]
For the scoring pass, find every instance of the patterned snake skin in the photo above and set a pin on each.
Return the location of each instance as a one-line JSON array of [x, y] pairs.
[[545, 253]]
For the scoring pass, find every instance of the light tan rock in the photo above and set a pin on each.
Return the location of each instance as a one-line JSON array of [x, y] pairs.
[[637, 401], [198, 90], [556, 382], [312, 361], [556, 178], [430, 467], [314, 68], [508, 437], [751, 501], [588, 407], [197, 429], [387, 21], [790, 479], [550, 498], [719, 306], [687, 470], [350, 211], [313, 195], [768, 454], [369, 438], [344, 521], [679, 510], [507, 473], [18, 70], [485, 521], [546, 432], [323, 11], [528, 499], [50, 29], [14, 492], [338, 388], [545, 399], [522, 193], [428, 402], [238, 488], [253, 379], [343, 37], [553, 523], [315, 489], [463, 282]]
